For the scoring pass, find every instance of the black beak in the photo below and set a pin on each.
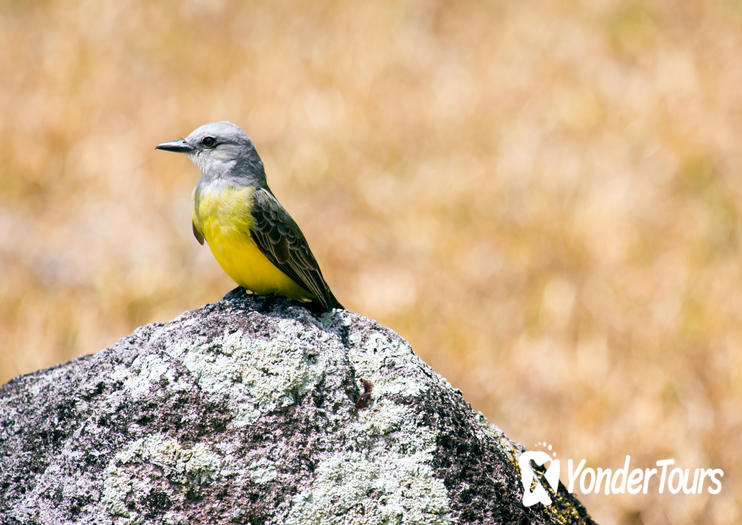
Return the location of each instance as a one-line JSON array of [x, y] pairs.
[[178, 146]]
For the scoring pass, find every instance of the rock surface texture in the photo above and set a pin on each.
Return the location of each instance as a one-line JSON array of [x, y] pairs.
[[244, 411]]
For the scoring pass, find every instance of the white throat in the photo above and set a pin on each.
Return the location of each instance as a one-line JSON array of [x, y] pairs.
[[217, 162]]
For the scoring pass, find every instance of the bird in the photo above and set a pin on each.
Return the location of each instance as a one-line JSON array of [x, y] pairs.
[[250, 234]]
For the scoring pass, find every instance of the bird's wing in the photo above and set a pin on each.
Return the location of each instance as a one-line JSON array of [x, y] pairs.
[[283, 243], [197, 234]]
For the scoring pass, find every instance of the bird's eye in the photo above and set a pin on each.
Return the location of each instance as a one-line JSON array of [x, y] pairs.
[[209, 142]]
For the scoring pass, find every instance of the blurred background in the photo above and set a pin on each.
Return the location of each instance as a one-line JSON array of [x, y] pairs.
[[544, 197]]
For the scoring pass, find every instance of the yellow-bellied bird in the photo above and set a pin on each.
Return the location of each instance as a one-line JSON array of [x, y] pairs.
[[252, 236]]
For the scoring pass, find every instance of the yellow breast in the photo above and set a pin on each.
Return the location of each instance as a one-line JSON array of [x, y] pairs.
[[222, 214]]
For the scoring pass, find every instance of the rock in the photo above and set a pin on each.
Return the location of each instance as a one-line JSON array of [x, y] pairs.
[[244, 411]]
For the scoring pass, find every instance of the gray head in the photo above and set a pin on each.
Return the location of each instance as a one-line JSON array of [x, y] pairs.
[[220, 149]]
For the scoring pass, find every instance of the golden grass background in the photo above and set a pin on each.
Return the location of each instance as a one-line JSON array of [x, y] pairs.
[[543, 197]]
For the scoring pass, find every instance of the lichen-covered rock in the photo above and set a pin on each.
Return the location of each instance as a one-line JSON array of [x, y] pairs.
[[244, 411]]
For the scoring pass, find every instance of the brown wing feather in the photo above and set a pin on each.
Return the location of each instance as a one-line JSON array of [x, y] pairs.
[[283, 243], [197, 234]]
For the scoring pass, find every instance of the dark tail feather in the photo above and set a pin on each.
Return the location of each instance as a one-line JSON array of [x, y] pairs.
[[328, 301]]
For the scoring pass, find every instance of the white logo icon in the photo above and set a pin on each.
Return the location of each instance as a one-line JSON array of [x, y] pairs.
[[528, 476]]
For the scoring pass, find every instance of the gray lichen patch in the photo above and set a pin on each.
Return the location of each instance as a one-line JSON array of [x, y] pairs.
[[149, 368], [152, 466], [383, 418], [262, 471], [389, 480], [353, 488], [375, 356], [256, 376]]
